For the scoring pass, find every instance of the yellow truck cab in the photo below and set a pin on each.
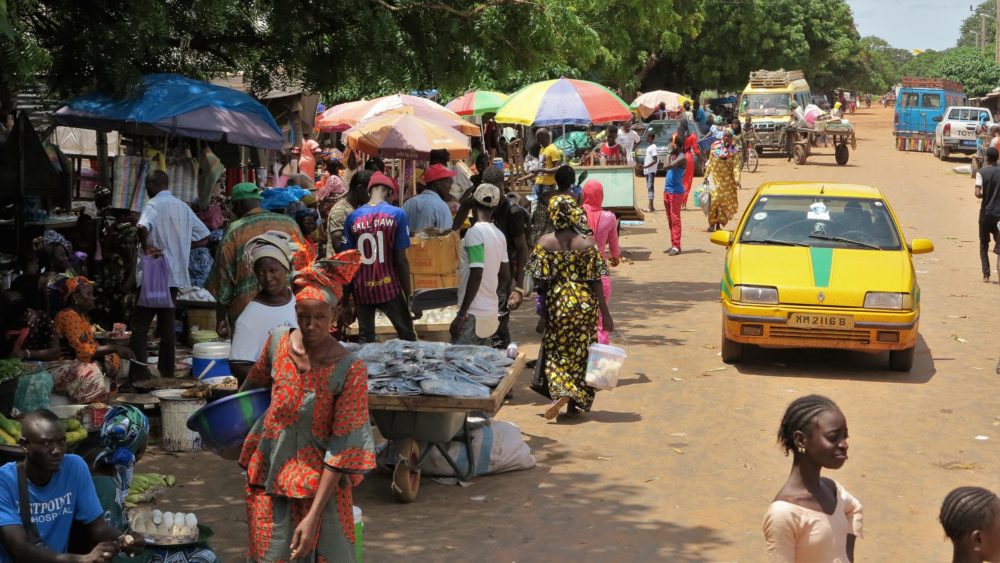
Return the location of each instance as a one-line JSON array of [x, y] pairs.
[[767, 102]]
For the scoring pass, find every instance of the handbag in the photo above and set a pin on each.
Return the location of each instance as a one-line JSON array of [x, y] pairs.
[[156, 278]]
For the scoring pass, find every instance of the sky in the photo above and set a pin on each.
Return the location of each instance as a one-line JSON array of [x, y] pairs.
[[912, 24]]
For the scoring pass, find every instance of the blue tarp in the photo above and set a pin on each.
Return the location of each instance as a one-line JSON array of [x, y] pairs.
[[178, 105]]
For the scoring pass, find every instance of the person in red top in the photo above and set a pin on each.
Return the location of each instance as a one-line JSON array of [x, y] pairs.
[[380, 232], [691, 151], [610, 149]]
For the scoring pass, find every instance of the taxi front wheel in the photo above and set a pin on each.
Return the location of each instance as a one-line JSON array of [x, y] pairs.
[[732, 352], [899, 360]]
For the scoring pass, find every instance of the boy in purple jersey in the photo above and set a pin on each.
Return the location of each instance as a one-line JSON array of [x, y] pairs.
[[380, 232]]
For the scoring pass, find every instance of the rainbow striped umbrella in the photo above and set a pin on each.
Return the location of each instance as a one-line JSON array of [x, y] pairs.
[[563, 102], [477, 102]]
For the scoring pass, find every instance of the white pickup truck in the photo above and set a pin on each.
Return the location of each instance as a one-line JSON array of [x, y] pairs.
[[956, 130]]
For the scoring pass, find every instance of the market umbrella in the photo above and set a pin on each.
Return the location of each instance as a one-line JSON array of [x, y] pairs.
[[177, 105], [402, 135], [564, 101], [477, 102], [344, 116], [648, 102]]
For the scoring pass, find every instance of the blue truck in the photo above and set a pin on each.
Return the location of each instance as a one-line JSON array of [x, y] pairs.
[[920, 105]]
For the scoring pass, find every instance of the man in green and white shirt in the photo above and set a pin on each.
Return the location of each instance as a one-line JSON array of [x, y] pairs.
[[484, 267]]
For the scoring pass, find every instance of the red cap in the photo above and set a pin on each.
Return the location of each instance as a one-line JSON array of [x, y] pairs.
[[436, 172], [380, 179]]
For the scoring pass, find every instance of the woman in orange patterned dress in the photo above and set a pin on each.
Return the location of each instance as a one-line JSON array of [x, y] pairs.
[[314, 443], [86, 373]]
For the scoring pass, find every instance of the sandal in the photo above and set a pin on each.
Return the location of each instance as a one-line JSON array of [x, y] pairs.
[[553, 410]]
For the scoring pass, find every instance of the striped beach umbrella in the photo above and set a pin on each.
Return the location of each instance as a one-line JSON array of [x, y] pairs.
[[565, 101], [477, 102]]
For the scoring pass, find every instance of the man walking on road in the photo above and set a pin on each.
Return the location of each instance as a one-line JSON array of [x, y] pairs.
[[167, 229], [381, 234], [988, 192], [649, 166]]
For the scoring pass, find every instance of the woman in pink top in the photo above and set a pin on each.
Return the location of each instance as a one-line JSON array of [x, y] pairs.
[[813, 518], [604, 224]]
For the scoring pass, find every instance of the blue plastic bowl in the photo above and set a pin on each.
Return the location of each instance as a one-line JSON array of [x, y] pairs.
[[224, 424]]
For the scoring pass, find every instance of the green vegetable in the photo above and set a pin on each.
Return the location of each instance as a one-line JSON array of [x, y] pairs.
[[10, 368]]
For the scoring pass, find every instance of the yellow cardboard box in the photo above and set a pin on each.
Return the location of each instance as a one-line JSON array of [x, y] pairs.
[[434, 253]]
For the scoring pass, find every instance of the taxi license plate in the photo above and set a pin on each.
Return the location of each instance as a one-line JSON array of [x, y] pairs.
[[835, 322]]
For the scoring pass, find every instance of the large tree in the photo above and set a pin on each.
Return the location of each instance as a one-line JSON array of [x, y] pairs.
[[348, 48], [979, 29], [968, 66], [883, 64], [817, 36]]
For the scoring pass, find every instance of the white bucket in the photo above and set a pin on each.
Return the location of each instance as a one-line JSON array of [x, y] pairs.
[[604, 365], [176, 436]]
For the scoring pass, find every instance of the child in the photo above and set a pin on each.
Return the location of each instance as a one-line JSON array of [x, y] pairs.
[[815, 510], [971, 519]]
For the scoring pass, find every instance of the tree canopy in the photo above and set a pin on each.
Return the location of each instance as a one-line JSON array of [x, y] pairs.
[[983, 16], [354, 48], [970, 67], [883, 64]]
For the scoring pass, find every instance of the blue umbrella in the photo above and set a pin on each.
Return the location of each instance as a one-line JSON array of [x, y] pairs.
[[177, 105]]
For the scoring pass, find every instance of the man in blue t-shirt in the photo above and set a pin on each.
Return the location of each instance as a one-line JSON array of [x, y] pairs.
[[60, 491]]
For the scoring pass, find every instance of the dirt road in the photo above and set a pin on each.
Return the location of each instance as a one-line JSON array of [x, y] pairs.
[[680, 462]]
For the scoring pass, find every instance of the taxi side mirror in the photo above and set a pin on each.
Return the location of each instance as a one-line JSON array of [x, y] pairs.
[[722, 238], [921, 246]]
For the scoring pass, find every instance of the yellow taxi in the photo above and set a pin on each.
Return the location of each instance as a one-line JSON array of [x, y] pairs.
[[814, 265]]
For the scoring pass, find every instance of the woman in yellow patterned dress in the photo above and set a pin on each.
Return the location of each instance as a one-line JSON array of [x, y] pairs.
[[724, 170], [567, 270]]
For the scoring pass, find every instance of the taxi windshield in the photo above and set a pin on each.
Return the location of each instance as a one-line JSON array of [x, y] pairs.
[[767, 104], [827, 222]]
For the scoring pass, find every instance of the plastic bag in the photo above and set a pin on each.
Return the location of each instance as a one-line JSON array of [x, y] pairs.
[[156, 277]]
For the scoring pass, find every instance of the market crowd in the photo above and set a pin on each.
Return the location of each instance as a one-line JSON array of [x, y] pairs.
[[324, 245]]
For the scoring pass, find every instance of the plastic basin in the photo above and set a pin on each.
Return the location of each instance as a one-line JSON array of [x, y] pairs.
[[224, 424]]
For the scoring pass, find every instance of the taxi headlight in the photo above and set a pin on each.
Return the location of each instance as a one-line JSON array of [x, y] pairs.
[[884, 300], [755, 294]]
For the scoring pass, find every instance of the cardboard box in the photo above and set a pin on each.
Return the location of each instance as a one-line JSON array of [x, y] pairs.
[[437, 255], [433, 281]]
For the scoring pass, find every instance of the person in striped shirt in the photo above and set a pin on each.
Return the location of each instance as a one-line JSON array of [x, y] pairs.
[[232, 281], [381, 234]]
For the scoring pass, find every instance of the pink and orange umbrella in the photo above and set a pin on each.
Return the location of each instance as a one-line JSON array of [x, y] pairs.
[[344, 116], [402, 135]]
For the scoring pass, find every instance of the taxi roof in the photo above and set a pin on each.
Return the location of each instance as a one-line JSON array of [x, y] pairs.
[[813, 188]]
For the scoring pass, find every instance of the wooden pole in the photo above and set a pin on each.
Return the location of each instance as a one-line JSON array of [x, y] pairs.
[[996, 12]]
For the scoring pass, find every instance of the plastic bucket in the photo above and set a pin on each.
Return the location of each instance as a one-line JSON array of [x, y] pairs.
[[204, 353], [498, 162], [359, 532], [175, 414], [604, 363]]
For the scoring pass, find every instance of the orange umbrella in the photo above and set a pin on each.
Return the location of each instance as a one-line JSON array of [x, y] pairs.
[[402, 135], [344, 116]]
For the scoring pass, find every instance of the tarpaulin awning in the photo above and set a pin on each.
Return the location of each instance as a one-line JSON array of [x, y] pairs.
[[177, 105]]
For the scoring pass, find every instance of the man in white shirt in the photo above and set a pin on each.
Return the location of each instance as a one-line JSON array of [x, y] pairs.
[[167, 229], [628, 139], [484, 267], [797, 112], [649, 166]]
